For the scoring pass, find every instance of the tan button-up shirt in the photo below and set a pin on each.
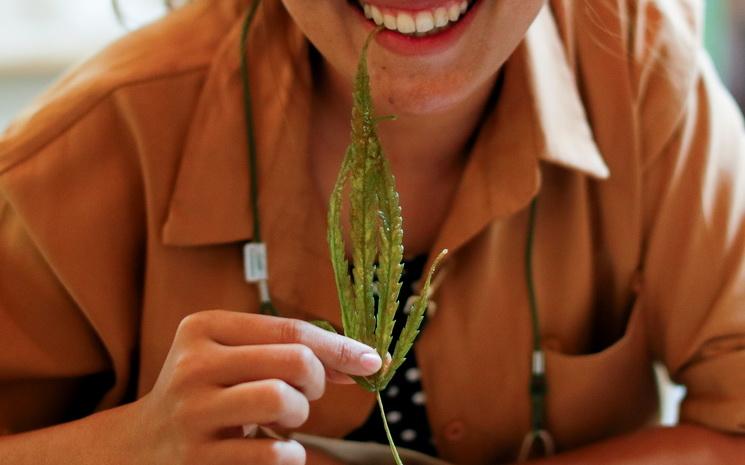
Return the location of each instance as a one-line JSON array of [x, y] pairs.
[[124, 206]]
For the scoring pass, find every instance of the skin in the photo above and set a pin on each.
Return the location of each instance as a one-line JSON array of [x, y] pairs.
[[226, 369], [420, 86], [438, 100]]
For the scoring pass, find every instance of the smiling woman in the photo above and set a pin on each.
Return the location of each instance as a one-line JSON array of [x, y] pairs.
[[580, 159], [428, 74]]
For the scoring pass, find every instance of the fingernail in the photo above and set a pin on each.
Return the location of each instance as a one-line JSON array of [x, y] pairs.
[[371, 361]]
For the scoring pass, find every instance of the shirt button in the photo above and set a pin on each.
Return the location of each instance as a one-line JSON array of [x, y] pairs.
[[455, 430]]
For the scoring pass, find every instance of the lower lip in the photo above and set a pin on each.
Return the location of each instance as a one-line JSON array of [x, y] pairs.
[[411, 46]]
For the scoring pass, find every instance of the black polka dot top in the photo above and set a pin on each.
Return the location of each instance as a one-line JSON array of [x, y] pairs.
[[404, 399]]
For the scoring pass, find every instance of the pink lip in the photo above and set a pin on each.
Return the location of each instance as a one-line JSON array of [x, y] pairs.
[[413, 46]]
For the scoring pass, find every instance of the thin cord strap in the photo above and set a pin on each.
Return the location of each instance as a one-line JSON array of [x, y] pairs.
[[249, 120], [538, 378], [255, 251], [529, 275], [538, 384]]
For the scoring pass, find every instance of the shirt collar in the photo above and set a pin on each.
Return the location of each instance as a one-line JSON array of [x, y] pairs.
[[563, 126], [539, 116]]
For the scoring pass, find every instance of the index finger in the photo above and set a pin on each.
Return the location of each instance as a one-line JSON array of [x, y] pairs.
[[335, 351]]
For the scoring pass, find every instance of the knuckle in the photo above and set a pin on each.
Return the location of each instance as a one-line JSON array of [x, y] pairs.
[[289, 406], [275, 453], [276, 394], [302, 359], [189, 367], [296, 413], [308, 371], [301, 416], [291, 330], [344, 354], [192, 324], [284, 453]]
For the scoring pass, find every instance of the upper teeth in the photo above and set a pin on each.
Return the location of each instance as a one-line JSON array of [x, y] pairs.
[[420, 22]]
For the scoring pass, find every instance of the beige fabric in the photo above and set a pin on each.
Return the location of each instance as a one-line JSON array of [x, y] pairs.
[[124, 206]]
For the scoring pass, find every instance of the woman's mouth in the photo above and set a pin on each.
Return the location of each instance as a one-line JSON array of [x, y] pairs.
[[419, 23]]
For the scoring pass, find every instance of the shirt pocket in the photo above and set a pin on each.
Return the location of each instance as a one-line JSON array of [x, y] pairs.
[[597, 395]]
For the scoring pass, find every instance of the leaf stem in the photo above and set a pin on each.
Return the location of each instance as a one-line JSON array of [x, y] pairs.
[[388, 431]]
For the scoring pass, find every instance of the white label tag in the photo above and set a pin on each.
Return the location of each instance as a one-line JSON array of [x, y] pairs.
[[254, 261]]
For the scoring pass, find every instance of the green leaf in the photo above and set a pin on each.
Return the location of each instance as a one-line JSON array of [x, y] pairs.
[[376, 242], [411, 328], [390, 257], [338, 253], [363, 201], [324, 325], [363, 220]]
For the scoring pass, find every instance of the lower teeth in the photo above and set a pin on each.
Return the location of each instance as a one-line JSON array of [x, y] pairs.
[[436, 30]]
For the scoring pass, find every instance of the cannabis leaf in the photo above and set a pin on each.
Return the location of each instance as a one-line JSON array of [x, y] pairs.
[[377, 245]]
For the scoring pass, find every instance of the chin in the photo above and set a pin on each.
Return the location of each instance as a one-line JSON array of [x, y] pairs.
[[414, 96]]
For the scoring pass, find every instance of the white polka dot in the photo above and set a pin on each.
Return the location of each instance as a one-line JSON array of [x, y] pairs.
[[392, 391], [412, 374], [410, 303], [419, 398], [393, 416], [408, 435]]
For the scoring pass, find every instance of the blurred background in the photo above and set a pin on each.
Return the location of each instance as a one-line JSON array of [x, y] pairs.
[[39, 39]]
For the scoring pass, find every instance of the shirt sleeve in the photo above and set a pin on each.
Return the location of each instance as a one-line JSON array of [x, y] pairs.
[[693, 290], [52, 366], [72, 228]]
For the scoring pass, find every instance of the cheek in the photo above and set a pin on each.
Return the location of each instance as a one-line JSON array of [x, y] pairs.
[[327, 26]]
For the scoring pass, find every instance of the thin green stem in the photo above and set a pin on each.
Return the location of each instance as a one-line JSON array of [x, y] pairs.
[[388, 431]]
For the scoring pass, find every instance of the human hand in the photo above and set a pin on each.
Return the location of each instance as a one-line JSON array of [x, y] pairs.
[[228, 369]]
